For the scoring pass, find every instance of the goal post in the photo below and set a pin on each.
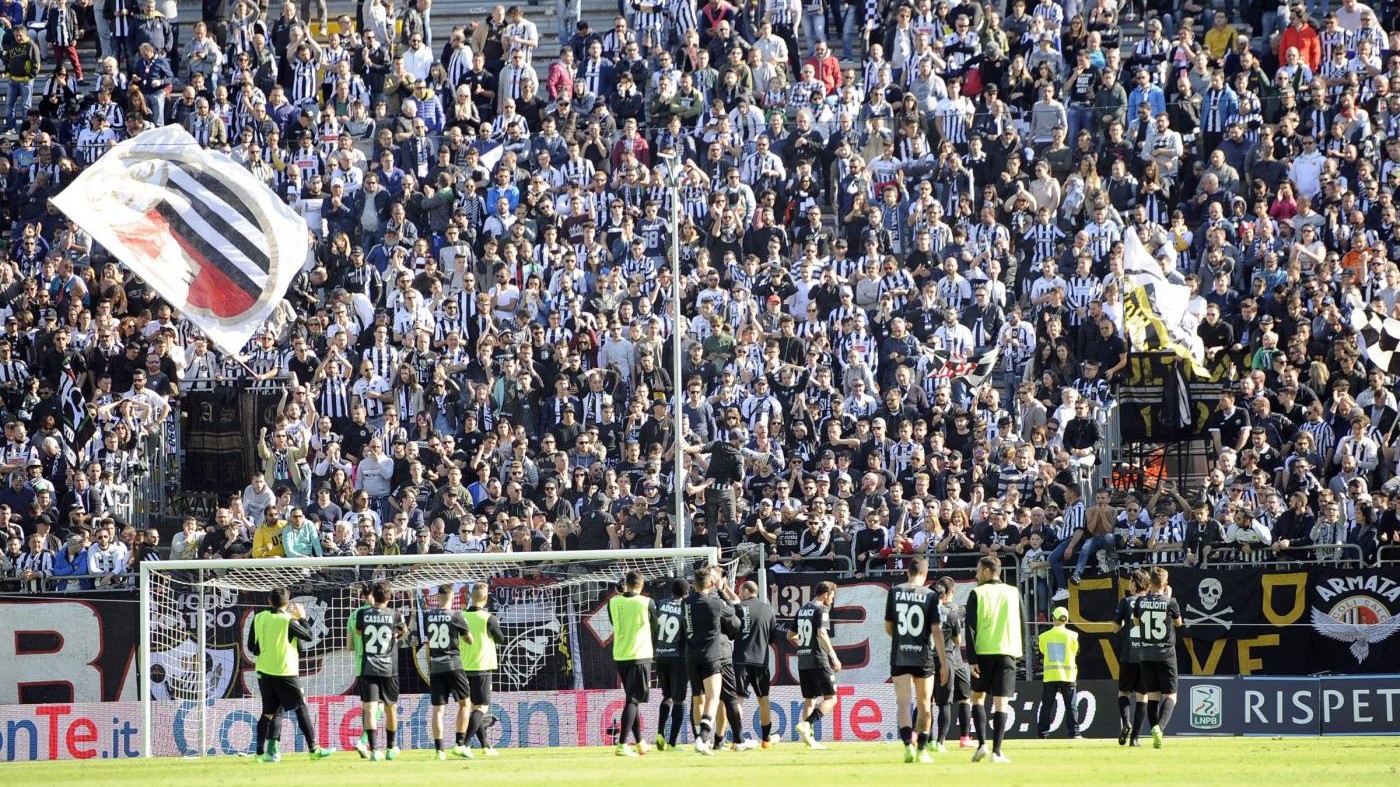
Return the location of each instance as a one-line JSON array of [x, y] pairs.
[[198, 690]]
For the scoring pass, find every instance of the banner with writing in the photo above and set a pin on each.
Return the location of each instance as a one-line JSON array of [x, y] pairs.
[[1247, 621], [1161, 399]]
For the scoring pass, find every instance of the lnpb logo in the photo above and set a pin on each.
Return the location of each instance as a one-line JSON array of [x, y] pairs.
[[1207, 707]]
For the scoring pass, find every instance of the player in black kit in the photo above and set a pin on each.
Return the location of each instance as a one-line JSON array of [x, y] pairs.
[[914, 623], [757, 627], [1131, 705], [381, 630], [442, 630], [817, 664], [957, 690], [1155, 620], [668, 639], [710, 624]]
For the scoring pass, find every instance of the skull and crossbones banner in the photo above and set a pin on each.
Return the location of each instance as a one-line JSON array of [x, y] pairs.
[[1217, 604]]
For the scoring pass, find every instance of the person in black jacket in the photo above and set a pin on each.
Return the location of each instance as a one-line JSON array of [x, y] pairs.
[[710, 624], [1082, 435], [1203, 533]]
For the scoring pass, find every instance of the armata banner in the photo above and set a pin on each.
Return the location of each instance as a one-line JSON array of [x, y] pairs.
[[215, 448]]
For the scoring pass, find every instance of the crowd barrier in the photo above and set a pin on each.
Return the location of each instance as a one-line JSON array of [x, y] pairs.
[[864, 713]]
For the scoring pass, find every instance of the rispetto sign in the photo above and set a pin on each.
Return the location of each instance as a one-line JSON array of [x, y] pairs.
[[1328, 705]]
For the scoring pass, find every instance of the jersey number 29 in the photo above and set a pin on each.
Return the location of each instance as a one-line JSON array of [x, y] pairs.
[[378, 639]]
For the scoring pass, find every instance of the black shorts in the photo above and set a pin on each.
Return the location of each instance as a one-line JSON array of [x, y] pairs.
[[957, 689], [917, 672], [448, 687], [280, 693], [1128, 676], [1157, 676], [479, 684], [698, 671], [996, 675], [753, 677], [671, 679], [817, 682], [379, 688], [635, 677]]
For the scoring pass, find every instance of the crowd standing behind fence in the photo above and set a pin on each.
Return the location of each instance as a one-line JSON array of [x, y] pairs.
[[476, 356]]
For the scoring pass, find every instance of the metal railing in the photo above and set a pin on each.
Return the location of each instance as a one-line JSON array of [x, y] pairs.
[[1111, 430], [13, 585]]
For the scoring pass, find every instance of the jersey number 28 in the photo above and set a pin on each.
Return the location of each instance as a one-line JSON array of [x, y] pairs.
[[439, 636]]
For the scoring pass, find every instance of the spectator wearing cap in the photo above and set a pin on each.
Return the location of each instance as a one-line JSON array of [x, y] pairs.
[[72, 561]]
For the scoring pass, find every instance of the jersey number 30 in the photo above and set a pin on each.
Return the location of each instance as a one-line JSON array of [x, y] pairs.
[[909, 620]]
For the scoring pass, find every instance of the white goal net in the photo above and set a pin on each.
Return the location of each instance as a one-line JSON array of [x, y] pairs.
[[200, 692]]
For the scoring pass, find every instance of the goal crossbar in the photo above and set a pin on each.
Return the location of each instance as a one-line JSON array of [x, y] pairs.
[[582, 556], [256, 574]]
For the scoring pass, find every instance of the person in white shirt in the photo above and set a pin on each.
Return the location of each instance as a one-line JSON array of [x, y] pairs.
[[1306, 169], [418, 58], [185, 544], [107, 558], [1349, 15], [505, 298]]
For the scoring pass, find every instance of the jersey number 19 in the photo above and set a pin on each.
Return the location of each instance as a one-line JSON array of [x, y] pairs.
[[669, 629]]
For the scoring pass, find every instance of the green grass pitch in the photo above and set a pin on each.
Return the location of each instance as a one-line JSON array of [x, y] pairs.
[[1193, 761]]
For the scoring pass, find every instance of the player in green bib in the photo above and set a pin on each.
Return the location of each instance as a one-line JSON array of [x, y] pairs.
[[479, 661], [994, 625], [272, 640], [631, 615]]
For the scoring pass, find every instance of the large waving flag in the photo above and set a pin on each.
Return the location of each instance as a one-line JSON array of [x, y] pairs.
[[972, 371], [1380, 338], [210, 237], [1154, 309]]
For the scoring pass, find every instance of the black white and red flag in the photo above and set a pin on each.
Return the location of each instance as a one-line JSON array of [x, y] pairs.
[[210, 237], [973, 371]]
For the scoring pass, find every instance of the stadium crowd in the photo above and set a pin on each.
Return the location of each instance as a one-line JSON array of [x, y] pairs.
[[872, 196]]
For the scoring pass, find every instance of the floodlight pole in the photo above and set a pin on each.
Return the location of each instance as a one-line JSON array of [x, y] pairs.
[[672, 162]]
